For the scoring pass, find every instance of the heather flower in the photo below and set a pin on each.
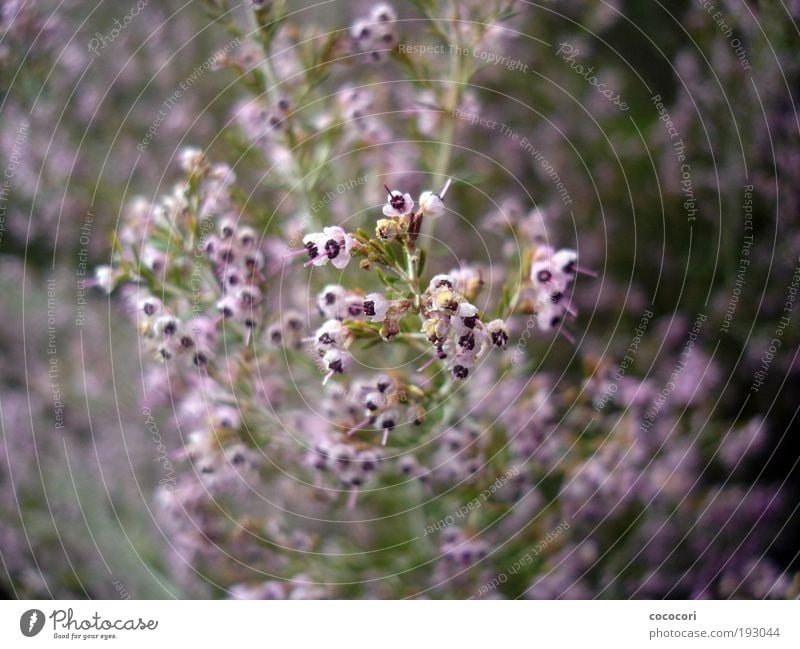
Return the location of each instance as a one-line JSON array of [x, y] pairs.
[[329, 299], [332, 244], [466, 318], [375, 33], [336, 361], [106, 278], [437, 281], [387, 229], [150, 306], [398, 204], [431, 204], [376, 307], [333, 334], [498, 332]]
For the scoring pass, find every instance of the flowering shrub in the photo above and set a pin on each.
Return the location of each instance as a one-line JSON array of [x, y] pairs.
[[443, 299]]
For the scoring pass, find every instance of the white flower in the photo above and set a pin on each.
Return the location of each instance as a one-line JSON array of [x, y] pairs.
[[499, 333], [565, 262], [228, 306], [387, 420], [431, 204], [383, 12], [191, 159], [398, 204], [549, 315], [328, 300], [466, 318], [361, 30], [165, 326], [150, 306], [331, 335], [441, 280], [376, 307], [105, 278], [332, 244], [337, 361], [543, 275]]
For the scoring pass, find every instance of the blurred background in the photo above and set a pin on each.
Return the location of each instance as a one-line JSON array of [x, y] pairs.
[[684, 201]]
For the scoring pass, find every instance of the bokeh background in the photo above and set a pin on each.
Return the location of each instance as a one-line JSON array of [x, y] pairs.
[[716, 515]]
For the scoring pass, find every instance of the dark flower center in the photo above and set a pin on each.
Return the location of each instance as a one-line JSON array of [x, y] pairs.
[[460, 372], [499, 338], [397, 201], [332, 248]]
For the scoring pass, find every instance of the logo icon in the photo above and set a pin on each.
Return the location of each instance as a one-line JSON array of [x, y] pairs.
[[31, 622]]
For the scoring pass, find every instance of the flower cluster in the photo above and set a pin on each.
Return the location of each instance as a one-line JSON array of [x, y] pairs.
[[333, 245], [377, 33], [401, 218], [454, 328], [552, 276]]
